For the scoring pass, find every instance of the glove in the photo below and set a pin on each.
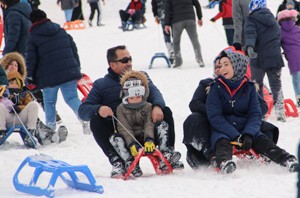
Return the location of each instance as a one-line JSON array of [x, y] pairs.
[[134, 149], [212, 20], [237, 46], [251, 52], [247, 142], [157, 20], [29, 83], [149, 146], [16, 108]]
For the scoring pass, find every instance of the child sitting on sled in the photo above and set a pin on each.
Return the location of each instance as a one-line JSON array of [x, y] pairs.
[[234, 114], [135, 124], [18, 109]]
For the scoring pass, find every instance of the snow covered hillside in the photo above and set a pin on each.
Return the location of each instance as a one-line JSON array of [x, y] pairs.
[[251, 179]]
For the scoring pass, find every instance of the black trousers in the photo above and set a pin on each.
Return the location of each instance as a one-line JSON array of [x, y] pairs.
[[136, 17], [94, 7], [103, 128]]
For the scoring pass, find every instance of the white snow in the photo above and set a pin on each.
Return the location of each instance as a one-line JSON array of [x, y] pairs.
[[177, 85]]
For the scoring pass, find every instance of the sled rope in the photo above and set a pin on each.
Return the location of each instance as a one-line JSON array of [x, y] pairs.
[[114, 117]]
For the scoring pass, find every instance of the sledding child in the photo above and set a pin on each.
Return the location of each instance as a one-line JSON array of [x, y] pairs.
[[290, 42], [19, 109], [234, 114], [135, 123], [225, 11]]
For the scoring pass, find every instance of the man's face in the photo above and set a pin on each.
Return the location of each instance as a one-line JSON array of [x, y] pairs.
[[119, 66]]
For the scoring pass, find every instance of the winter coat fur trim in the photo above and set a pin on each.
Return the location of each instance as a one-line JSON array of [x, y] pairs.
[[14, 56]]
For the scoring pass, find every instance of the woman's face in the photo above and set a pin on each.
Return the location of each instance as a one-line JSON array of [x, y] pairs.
[[226, 69], [217, 67], [13, 66]]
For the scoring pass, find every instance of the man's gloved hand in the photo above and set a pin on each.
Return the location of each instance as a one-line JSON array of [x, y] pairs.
[[247, 142], [15, 108], [149, 146], [157, 20], [251, 52], [237, 46], [134, 148], [212, 20]]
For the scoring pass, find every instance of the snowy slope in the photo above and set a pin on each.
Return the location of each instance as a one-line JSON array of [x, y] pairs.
[[177, 86]]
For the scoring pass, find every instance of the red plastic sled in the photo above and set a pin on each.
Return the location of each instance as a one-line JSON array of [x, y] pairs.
[[154, 158], [84, 85]]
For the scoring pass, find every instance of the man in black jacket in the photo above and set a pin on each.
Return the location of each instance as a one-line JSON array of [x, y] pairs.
[[180, 15]]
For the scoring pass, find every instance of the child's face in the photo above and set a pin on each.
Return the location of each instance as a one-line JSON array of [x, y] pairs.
[[13, 66], [13, 84], [226, 69], [135, 99], [290, 7]]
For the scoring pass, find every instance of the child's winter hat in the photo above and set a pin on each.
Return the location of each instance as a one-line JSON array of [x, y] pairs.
[[134, 83], [37, 15], [14, 56], [290, 2], [15, 76], [257, 4], [287, 14], [239, 63]]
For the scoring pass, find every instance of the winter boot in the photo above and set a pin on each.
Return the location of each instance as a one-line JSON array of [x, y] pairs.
[[2, 135], [62, 132], [86, 127], [58, 119], [170, 52], [117, 170], [124, 26], [291, 164], [201, 63], [177, 165], [227, 167], [137, 171], [90, 23], [28, 140], [298, 100]]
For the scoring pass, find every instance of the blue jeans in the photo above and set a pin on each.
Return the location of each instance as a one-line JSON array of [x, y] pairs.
[[296, 82], [69, 92], [68, 14]]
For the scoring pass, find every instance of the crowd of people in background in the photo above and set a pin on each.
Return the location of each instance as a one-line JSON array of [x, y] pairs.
[[33, 43]]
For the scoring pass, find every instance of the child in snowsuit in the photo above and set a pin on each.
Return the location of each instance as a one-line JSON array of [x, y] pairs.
[[135, 123], [22, 104], [262, 35], [290, 42], [225, 11], [234, 114], [135, 10]]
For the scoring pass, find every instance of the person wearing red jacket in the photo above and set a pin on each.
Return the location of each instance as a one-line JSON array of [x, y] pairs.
[[225, 11]]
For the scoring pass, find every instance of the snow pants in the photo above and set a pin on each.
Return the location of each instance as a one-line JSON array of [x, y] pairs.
[[103, 128]]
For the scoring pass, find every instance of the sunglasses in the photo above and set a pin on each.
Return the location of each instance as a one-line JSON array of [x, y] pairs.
[[124, 60]]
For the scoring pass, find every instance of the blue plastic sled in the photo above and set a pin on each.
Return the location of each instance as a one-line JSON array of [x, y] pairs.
[[159, 55], [46, 163]]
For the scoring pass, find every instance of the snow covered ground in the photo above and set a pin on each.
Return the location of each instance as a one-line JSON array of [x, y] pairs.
[[177, 86]]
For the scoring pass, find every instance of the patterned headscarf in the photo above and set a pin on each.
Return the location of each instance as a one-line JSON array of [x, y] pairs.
[[239, 63]]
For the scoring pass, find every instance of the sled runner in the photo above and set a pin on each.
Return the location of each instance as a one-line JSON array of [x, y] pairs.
[[159, 55], [155, 158], [84, 85], [45, 163], [23, 133]]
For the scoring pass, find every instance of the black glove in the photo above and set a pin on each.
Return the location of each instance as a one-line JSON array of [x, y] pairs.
[[212, 20], [16, 108], [251, 52], [237, 46], [247, 142]]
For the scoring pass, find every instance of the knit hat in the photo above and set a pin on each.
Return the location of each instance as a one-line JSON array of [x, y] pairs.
[[290, 2], [257, 4], [10, 3], [15, 76], [239, 63], [37, 15], [134, 83]]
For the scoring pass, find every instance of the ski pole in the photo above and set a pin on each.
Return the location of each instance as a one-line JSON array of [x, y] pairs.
[[114, 117]]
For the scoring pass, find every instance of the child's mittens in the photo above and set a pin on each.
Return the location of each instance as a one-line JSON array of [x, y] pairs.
[[134, 149], [149, 146]]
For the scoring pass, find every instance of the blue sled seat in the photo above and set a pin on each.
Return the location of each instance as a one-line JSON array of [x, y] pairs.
[[45, 163]]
